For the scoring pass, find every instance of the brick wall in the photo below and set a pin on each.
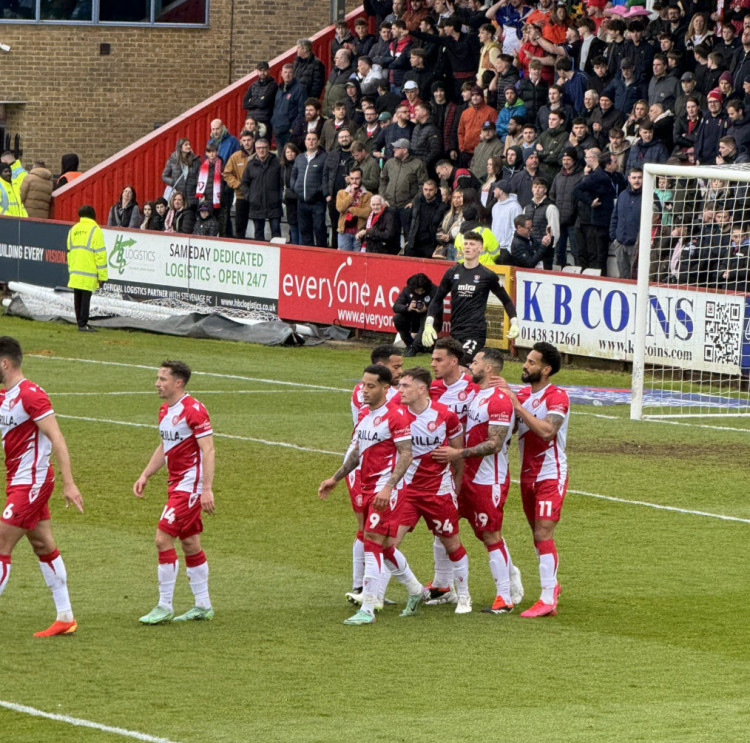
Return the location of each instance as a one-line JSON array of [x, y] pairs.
[[79, 101]]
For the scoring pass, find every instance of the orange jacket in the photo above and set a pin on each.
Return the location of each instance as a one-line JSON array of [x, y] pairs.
[[471, 123]]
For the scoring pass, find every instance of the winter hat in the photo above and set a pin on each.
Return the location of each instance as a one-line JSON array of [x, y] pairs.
[[726, 76], [715, 95], [570, 152]]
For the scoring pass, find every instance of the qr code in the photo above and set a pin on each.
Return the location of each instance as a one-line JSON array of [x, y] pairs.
[[723, 336]]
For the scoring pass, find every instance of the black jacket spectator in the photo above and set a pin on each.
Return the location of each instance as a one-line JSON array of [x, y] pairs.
[[184, 221], [307, 177], [310, 73], [259, 99], [289, 105], [384, 236], [263, 187], [533, 97], [206, 225], [426, 217], [336, 168], [427, 144], [526, 251]]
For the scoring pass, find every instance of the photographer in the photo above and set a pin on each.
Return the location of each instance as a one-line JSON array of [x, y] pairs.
[[410, 311]]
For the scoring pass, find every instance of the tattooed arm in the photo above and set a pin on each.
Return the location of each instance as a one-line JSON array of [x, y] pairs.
[[403, 460], [350, 463]]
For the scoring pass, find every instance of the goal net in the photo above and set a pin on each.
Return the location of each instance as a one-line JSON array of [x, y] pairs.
[[691, 346]]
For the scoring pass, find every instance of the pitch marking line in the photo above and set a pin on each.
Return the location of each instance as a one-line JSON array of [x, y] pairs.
[[195, 373], [611, 498], [330, 389], [78, 722]]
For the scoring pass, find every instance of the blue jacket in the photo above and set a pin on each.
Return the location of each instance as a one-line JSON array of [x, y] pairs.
[[288, 106], [626, 217], [227, 144], [646, 152], [624, 97], [504, 116], [307, 177], [710, 131], [595, 185]]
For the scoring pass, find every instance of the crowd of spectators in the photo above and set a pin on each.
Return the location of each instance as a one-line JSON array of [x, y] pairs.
[[529, 124]]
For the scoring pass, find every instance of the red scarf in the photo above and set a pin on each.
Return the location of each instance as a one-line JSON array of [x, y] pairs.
[[203, 180]]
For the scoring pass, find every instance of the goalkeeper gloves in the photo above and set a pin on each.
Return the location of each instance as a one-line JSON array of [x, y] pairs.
[[513, 330], [429, 334]]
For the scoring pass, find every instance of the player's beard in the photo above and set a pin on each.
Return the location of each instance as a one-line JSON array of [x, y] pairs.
[[477, 378], [531, 377]]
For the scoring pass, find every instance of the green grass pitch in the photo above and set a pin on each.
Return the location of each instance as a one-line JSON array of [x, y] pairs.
[[650, 643]]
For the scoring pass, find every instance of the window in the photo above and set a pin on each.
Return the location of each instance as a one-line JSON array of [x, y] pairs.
[[132, 12]]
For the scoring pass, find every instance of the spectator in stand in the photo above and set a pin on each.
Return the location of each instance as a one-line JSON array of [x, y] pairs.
[[401, 128], [287, 107], [589, 48], [685, 131], [338, 162], [149, 218], [545, 219], [263, 187], [489, 52], [368, 133], [505, 210], [381, 231], [532, 90], [162, 208], [353, 103], [604, 118], [415, 14], [555, 103], [489, 146], [342, 38], [36, 191], [530, 49], [595, 196], [419, 73], [260, 96], [426, 140], [206, 224], [625, 90], [688, 89], [68, 170], [307, 182], [232, 174], [211, 188], [712, 128], [288, 156], [513, 107], [625, 223], [179, 217], [368, 165], [647, 149], [738, 128], [363, 40], [401, 181], [411, 93], [573, 82], [343, 69], [470, 125], [125, 213], [561, 194], [494, 171], [450, 227], [368, 75], [663, 121], [522, 181], [427, 215], [181, 172], [505, 74], [226, 144], [509, 16], [552, 142], [525, 250], [662, 88], [312, 121], [309, 71], [410, 312], [352, 208], [600, 79], [329, 133], [639, 51]]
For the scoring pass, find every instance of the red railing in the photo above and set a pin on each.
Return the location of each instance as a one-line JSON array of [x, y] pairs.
[[140, 165]]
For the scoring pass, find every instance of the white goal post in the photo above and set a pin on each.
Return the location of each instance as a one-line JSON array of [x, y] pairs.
[[691, 345]]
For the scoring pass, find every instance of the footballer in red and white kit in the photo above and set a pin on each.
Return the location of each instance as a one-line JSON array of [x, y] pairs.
[[187, 450], [383, 446], [428, 489], [543, 411], [485, 483], [392, 358], [30, 434]]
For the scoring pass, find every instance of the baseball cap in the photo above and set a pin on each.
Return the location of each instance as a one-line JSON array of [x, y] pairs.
[[411, 85], [687, 77], [385, 116], [403, 143], [488, 125], [204, 208], [262, 66], [476, 90], [626, 63]]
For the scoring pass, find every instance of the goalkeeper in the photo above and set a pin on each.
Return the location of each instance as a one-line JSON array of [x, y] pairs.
[[469, 285]]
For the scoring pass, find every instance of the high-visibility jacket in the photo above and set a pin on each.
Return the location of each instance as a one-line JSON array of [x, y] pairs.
[[490, 246], [87, 255], [10, 200], [18, 173]]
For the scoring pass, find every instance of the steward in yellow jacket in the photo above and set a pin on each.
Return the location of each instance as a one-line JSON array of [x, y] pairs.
[[10, 197], [87, 263]]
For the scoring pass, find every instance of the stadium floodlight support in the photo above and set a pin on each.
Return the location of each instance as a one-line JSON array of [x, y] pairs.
[[734, 175]]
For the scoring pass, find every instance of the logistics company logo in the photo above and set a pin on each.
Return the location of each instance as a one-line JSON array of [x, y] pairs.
[[117, 258]]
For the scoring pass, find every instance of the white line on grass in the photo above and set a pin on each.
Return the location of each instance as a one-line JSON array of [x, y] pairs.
[[196, 373], [267, 442], [192, 392], [78, 722]]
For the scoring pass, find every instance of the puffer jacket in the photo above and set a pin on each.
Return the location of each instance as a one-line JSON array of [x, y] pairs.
[[36, 192]]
